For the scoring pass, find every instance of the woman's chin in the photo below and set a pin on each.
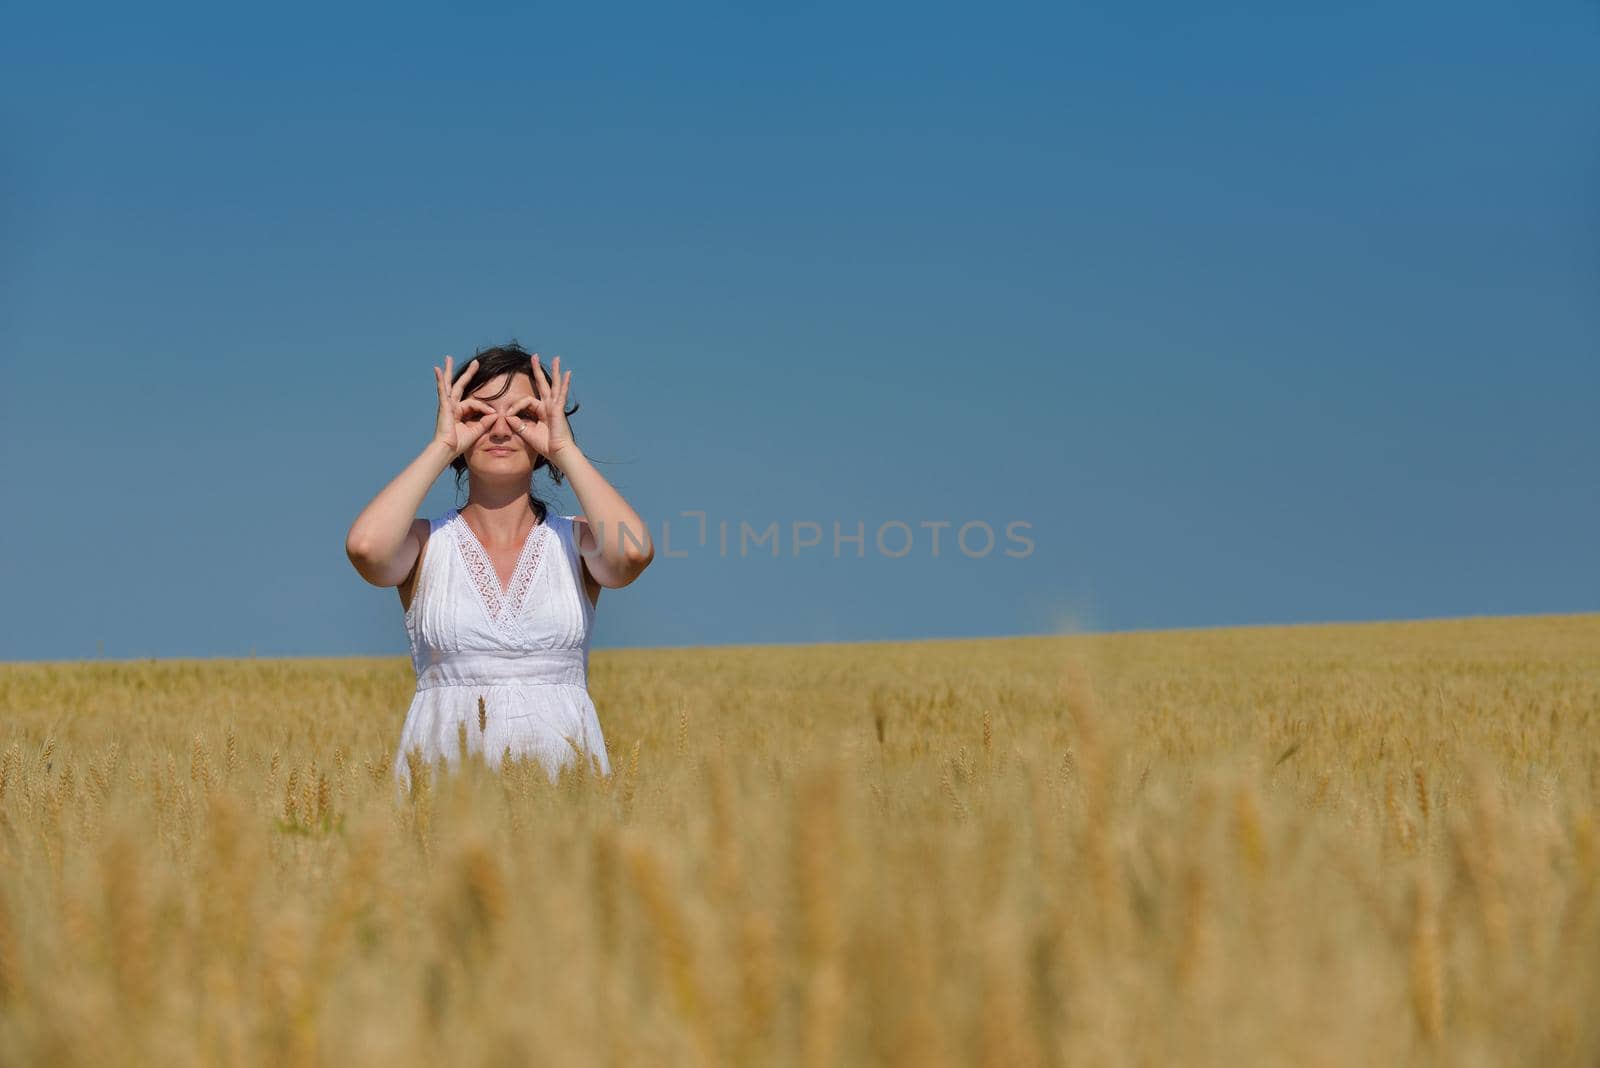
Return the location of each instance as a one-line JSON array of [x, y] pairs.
[[497, 464]]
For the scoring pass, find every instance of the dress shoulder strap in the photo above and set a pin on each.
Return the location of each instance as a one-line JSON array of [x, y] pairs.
[[569, 533], [422, 585], [439, 530]]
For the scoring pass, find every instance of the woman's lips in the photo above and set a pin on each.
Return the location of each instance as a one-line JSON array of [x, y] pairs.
[[500, 452]]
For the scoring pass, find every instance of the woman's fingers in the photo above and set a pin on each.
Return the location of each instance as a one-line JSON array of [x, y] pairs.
[[475, 417], [541, 387], [522, 412], [461, 383], [466, 376]]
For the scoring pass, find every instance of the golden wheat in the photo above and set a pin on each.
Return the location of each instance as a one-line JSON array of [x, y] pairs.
[[1320, 845]]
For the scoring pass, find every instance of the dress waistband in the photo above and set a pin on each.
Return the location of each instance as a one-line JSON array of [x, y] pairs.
[[510, 667]]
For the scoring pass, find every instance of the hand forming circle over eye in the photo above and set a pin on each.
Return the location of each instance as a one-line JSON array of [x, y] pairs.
[[541, 420], [454, 426]]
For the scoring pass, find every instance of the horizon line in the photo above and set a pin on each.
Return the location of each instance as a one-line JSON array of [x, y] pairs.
[[1027, 635]]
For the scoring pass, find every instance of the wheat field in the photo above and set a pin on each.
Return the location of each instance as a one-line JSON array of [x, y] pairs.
[[1318, 845]]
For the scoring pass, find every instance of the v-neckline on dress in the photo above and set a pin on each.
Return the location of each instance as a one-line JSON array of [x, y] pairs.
[[502, 604]]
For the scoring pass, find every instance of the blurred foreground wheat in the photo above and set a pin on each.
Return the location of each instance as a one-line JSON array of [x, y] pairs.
[[1312, 846]]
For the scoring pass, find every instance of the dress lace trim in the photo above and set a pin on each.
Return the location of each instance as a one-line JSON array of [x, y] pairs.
[[501, 606]]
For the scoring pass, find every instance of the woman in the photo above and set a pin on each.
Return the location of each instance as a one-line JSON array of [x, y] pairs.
[[499, 595]]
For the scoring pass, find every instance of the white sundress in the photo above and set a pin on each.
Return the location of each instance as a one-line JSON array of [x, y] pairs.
[[523, 649]]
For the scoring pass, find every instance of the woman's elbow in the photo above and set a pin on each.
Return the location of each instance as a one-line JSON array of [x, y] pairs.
[[367, 565], [616, 575]]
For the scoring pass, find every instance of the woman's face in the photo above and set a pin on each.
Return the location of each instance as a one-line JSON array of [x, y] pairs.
[[499, 450]]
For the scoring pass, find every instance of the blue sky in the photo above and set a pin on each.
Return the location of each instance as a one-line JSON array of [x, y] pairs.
[[1260, 317]]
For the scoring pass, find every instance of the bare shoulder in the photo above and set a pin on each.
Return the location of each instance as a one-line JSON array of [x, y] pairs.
[[420, 529]]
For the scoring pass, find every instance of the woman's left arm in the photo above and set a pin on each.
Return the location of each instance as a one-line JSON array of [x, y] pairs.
[[612, 538]]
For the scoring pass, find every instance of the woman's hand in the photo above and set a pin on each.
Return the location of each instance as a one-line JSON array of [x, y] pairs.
[[461, 422], [541, 420]]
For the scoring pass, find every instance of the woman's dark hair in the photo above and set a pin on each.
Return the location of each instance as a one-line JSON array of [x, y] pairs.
[[508, 359]]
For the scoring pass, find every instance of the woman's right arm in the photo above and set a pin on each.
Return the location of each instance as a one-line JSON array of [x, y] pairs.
[[382, 543]]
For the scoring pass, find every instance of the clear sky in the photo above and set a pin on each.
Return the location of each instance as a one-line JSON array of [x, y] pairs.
[[1286, 314]]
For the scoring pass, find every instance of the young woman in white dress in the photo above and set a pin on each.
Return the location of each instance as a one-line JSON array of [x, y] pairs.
[[499, 595]]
